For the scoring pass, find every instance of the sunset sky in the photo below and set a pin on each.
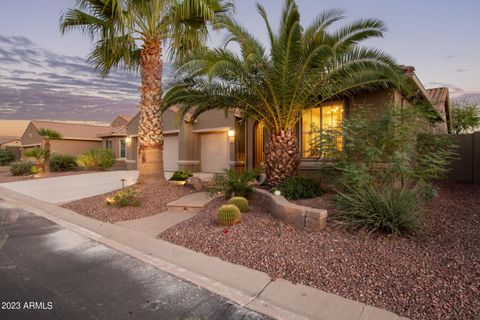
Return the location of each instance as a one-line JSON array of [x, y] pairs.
[[44, 75]]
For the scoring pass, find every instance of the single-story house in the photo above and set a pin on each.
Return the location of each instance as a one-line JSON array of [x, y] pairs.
[[115, 139], [77, 137], [13, 144], [216, 140]]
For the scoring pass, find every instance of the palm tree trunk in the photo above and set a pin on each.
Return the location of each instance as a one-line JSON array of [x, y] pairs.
[[46, 157], [151, 127], [281, 156]]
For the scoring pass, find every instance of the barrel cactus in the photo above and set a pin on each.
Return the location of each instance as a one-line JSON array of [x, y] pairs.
[[240, 202], [228, 215]]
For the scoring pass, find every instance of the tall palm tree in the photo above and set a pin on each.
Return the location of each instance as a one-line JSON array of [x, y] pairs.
[[47, 135], [132, 34], [302, 68]]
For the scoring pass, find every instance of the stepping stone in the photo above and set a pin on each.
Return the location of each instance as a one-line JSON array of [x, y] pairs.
[[192, 203]]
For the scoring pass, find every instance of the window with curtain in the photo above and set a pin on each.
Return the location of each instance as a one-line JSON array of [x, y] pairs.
[[322, 131]]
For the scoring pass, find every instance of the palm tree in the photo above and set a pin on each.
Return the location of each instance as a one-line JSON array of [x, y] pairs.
[[39, 155], [132, 34], [303, 68], [47, 135]]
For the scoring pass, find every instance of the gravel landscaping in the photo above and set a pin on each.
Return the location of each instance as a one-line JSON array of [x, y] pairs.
[[435, 275], [153, 199]]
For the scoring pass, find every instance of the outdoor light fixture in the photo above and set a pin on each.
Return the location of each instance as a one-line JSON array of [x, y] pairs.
[[128, 139], [231, 135]]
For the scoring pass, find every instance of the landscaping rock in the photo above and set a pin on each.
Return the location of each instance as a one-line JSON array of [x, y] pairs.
[[195, 183]]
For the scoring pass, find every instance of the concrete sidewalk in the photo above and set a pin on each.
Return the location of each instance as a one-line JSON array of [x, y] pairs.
[[279, 299]]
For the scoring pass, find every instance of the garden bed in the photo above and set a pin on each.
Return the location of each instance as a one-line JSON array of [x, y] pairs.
[[154, 200], [435, 275]]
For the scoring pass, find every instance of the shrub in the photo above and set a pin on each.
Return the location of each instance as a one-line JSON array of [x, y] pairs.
[[299, 187], [127, 197], [96, 159], [21, 168], [373, 209], [62, 162], [6, 157], [228, 215], [232, 183], [240, 202], [181, 175]]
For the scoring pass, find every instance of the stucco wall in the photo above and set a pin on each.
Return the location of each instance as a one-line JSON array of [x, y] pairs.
[[73, 147], [214, 119], [31, 136]]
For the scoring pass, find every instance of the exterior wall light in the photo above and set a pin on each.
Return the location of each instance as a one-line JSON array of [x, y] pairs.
[[128, 139], [231, 135]]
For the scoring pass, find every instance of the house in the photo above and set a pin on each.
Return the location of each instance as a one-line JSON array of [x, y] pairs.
[[216, 140], [115, 139], [77, 137], [10, 134]]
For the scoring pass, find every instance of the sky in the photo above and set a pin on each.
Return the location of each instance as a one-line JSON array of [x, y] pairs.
[[44, 75]]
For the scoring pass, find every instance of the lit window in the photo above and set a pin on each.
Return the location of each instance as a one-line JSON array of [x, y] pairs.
[[322, 131]]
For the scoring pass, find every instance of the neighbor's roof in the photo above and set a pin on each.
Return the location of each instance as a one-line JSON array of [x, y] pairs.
[[13, 128], [73, 130], [6, 139], [438, 96], [126, 117], [120, 131]]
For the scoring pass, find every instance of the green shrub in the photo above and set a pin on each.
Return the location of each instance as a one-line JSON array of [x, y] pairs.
[[240, 202], [21, 168], [299, 187], [127, 197], [232, 183], [6, 157], [62, 162], [228, 215], [379, 209], [96, 159], [181, 175]]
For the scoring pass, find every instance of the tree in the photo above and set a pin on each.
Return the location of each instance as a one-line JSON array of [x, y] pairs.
[[47, 135], [39, 155], [465, 117], [131, 34], [303, 68]]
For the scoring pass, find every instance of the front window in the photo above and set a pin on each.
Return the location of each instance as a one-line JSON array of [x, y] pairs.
[[109, 144], [123, 149], [322, 131]]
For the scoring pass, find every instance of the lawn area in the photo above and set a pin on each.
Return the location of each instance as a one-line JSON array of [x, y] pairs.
[[435, 275]]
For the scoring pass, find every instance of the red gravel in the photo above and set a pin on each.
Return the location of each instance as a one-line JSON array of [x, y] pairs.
[[154, 200], [435, 275]]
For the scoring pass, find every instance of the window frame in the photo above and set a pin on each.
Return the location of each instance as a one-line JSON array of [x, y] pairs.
[[325, 104], [120, 148]]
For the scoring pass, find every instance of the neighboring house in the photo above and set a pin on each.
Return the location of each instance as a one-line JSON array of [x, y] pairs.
[[77, 137], [115, 139], [13, 144], [216, 141]]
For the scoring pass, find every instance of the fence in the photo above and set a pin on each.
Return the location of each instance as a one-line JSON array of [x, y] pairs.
[[467, 168]]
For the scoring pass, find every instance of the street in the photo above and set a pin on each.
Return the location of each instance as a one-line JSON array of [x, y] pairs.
[[49, 272]]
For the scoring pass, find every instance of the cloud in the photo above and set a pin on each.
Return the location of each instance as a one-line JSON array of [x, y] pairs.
[[462, 70], [36, 83], [451, 57]]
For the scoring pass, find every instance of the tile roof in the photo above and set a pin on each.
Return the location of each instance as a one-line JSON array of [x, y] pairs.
[[6, 139], [438, 95], [73, 130], [119, 131]]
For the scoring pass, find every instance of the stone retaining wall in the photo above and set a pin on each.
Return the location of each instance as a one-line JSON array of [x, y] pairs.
[[299, 216]]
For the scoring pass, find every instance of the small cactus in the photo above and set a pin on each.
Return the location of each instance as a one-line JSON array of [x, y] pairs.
[[228, 215], [240, 202]]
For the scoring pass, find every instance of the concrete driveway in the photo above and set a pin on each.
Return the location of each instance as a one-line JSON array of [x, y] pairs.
[[69, 188]]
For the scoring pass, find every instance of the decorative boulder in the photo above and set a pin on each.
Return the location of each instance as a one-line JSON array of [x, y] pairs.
[[195, 183]]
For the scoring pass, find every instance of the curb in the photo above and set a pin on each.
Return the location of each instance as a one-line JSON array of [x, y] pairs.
[[279, 299]]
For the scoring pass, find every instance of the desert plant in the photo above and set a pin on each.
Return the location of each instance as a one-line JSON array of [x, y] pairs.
[[380, 209], [465, 117], [62, 162], [133, 34], [228, 215], [39, 155], [96, 159], [127, 197], [240, 202], [6, 157], [299, 187], [231, 183], [181, 175], [21, 168]]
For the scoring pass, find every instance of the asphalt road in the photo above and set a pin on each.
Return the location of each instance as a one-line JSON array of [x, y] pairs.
[[49, 272]]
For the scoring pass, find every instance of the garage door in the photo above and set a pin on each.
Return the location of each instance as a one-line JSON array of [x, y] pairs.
[[214, 152], [170, 153]]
